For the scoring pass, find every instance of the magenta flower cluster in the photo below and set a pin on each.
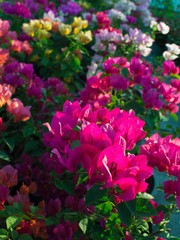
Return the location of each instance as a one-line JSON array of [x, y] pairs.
[[103, 139], [156, 94], [164, 153]]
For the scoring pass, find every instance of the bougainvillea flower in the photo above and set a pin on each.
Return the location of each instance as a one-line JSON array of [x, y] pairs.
[[4, 27], [5, 94], [162, 153], [17, 109], [26, 70], [151, 99], [4, 55], [128, 126], [8, 176], [38, 229], [93, 135], [160, 217], [3, 126], [53, 207], [169, 67], [137, 68], [128, 237], [127, 172], [63, 231], [4, 191], [119, 82], [23, 227], [178, 202]]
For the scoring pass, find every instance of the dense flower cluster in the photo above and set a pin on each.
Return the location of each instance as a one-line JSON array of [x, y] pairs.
[[163, 153], [72, 161], [104, 137], [11, 39], [71, 8], [17, 8], [98, 89]]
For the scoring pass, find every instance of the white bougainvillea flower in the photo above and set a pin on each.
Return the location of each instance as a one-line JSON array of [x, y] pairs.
[[173, 48], [168, 55], [163, 28]]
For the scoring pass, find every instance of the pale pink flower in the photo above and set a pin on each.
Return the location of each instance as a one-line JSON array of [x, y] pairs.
[[17, 109], [5, 94]]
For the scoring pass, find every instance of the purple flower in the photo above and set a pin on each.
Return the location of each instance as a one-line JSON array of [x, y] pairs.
[[63, 231], [18, 9], [119, 82], [71, 8], [26, 70]]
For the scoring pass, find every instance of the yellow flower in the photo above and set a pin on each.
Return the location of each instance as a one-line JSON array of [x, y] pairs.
[[47, 25], [28, 29], [57, 57], [85, 37], [42, 33], [35, 58], [36, 24], [84, 23], [48, 51], [77, 22], [68, 80], [84, 4], [65, 29], [76, 30]]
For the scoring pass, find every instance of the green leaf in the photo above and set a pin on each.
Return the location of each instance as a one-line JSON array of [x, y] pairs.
[[40, 216], [163, 117], [106, 207], [175, 76], [51, 221], [45, 62], [132, 206], [44, 41], [174, 116], [12, 210], [82, 178], [144, 226], [28, 130], [161, 188], [124, 213], [125, 72], [25, 237], [58, 184], [3, 234], [14, 234], [4, 156], [34, 209], [68, 186], [78, 85], [145, 208], [65, 185], [144, 195], [30, 145], [76, 128], [74, 144], [94, 195], [75, 62], [44, 92], [173, 238], [52, 173], [9, 142], [83, 225], [18, 205], [170, 199], [12, 221]]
